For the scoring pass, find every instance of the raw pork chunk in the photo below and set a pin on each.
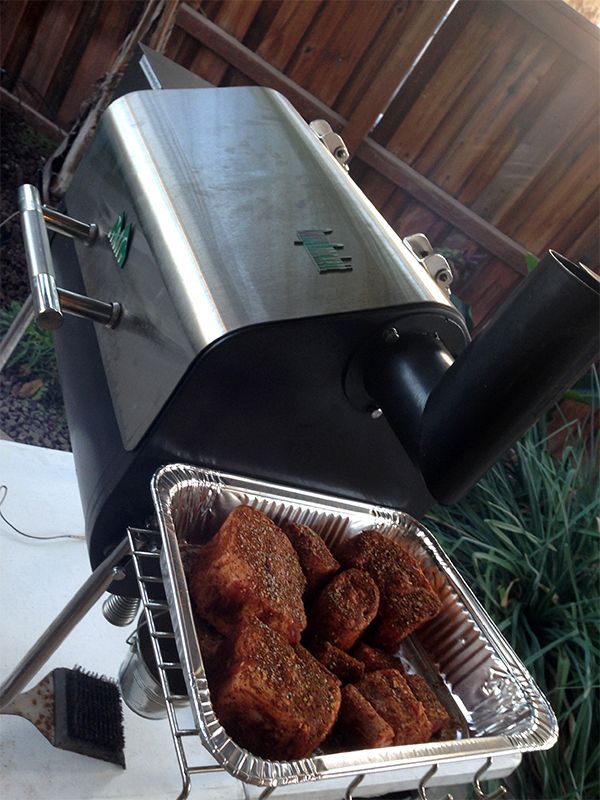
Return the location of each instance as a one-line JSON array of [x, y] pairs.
[[249, 569]]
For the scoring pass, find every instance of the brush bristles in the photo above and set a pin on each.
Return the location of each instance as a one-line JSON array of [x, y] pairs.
[[88, 715]]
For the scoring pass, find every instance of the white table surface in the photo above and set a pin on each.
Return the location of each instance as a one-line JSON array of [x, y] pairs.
[[37, 578]]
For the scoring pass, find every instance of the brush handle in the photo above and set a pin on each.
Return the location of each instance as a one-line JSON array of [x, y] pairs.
[[36, 706], [57, 631]]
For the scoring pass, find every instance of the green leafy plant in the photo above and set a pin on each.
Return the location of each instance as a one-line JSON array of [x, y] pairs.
[[527, 538], [33, 357]]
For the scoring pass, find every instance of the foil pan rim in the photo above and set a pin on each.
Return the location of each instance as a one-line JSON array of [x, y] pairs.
[[170, 479]]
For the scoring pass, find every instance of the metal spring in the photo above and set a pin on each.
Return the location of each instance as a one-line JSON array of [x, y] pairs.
[[120, 611]]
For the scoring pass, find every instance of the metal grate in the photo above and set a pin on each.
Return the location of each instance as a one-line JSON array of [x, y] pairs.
[[145, 550]]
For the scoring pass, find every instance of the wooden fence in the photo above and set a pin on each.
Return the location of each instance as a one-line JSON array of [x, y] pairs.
[[474, 122]]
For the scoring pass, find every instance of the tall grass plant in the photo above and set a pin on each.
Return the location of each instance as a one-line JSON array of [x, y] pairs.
[[527, 536]]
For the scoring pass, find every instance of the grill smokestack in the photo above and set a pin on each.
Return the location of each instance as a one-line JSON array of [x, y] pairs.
[[456, 418]]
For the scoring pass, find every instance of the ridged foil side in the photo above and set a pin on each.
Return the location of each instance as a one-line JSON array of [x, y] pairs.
[[501, 708]]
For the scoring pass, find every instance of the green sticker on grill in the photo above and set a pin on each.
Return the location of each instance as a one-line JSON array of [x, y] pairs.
[[119, 236], [323, 252]]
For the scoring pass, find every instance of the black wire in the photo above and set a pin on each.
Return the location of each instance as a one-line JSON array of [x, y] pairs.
[[3, 496]]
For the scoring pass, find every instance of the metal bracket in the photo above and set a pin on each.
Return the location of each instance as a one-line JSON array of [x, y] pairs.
[[424, 781], [331, 140], [479, 793], [435, 264]]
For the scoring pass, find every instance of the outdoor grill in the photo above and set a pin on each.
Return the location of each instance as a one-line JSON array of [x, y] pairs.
[[260, 325]]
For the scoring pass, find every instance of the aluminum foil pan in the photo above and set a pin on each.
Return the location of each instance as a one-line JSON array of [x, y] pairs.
[[498, 709]]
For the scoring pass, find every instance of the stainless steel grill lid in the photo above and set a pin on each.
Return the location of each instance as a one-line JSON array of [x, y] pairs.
[[228, 196]]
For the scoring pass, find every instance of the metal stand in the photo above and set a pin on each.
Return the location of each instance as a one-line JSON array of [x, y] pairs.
[[57, 631]]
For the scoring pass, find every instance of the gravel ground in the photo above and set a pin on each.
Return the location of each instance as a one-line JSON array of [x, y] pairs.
[[30, 421]]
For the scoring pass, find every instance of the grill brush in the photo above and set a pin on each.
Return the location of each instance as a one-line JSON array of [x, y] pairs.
[[76, 711]]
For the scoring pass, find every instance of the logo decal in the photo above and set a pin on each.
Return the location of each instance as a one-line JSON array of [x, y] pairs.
[[119, 236], [323, 252]]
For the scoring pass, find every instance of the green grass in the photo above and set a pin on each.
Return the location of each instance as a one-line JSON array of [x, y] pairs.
[[527, 538], [33, 357]]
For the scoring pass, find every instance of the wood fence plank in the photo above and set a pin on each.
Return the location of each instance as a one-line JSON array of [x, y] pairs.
[[417, 218], [444, 204], [397, 44], [237, 78], [567, 179], [493, 114], [457, 240], [73, 50], [20, 46], [422, 72], [164, 26], [254, 66], [583, 220], [181, 47], [55, 27], [112, 26], [286, 31], [464, 61], [566, 26], [376, 186], [493, 286], [334, 44], [110, 29], [539, 129], [482, 87], [395, 206], [12, 13], [234, 17], [585, 247]]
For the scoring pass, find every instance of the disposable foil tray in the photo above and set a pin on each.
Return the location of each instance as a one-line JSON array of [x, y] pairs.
[[498, 709]]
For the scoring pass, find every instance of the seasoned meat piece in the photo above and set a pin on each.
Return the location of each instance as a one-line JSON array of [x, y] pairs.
[[384, 559], [315, 558], [344, 608], [374, 659], [359, 726], [407, 598], [210, 642], [188, 553], [274, 699], [401, 613], [249, 568], [436, 713], [341, 664], [391, 696]]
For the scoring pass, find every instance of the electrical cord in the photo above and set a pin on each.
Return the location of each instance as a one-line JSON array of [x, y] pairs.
[[8, 219], [3, 496]]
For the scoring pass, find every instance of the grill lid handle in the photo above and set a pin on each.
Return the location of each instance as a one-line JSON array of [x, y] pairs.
[[49, 301], [39, 260]]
